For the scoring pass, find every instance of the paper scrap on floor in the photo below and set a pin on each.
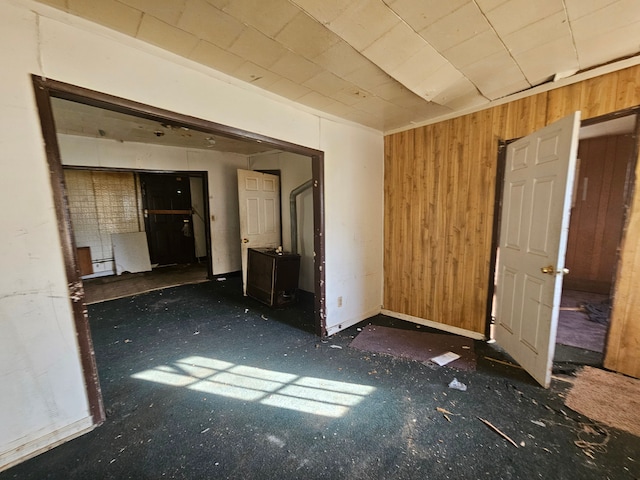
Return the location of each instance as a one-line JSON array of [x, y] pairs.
[[445, 358]]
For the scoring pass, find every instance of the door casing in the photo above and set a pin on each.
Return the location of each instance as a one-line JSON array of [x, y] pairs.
[[44, 89], [628, 197]]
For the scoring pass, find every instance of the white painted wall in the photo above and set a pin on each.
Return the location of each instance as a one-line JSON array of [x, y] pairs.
[[43, 399], [221, 174], [353, 202], [294, 171]]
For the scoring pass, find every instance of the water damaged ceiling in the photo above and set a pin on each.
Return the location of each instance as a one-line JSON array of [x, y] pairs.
[[387, 64]]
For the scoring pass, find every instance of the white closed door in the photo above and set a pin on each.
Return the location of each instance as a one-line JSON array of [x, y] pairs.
[[539, 175], [259, 204]]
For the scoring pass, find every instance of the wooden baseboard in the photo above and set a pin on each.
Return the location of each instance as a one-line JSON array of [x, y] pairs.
[[36, 446], [438, 326]]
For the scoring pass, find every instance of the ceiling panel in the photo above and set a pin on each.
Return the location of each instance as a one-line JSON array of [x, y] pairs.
[[161, 34], [456, 27], [268, 17], [258, 48], [169, 11], [110, 13], [422, 14], [514, 15], [361, 23], [207, 22]]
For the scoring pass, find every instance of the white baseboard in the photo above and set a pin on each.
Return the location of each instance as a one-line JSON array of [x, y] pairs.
[[439, 326], [333, 329], [44, 443]]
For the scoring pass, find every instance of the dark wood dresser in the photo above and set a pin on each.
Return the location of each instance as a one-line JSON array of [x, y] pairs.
[[272, 278]]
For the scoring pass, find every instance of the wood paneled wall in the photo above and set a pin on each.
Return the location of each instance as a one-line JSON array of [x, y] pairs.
[[598, 213], [439, 203]]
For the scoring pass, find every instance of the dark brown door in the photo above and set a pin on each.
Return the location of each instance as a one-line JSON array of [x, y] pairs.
[[167, 204]]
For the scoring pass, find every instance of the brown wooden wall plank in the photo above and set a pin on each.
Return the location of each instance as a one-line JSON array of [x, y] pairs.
[[599, 95], [628, 89], [623, 341], [438, 248], [596, 219]]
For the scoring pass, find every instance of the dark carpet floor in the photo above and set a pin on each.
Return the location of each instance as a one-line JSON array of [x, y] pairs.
[[202, 383]]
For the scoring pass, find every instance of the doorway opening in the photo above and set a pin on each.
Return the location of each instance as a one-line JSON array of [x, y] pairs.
[[603, 189], [166, 199], [112, 225], [601, 196], [210, 132]]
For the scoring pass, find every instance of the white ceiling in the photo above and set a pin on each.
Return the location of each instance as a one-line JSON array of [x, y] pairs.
[[387, 64], [74, 118]]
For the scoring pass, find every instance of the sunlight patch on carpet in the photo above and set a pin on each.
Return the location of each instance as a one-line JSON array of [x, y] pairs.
[[318, 396]]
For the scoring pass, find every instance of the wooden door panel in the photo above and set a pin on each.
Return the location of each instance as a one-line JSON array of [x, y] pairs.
[[535, 218], [259, 202]]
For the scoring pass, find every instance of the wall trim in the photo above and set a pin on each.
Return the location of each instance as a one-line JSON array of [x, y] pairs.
[[44, 443], [352, 321], [438, 326]]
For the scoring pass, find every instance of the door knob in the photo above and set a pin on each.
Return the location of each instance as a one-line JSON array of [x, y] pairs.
[[245, 240], [550, 270]]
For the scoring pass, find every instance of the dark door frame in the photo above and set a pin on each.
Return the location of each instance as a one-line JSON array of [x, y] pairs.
[[628, 199], [44, 89]]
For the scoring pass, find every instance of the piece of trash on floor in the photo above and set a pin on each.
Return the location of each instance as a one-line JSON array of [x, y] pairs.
[[539, 423], [498, 431], [246, 310], [491, 359], [197, 332], [127, 341], [263, 317], [445, 413], [205, 430], [443, 410], [335, 346], [431, 365], [275, 441], [221, 279], [466, 347], [456, 385], [445, 358]]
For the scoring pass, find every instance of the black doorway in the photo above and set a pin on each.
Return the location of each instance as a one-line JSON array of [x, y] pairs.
[[166, 199]]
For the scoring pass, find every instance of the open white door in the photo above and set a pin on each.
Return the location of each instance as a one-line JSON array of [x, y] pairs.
[[539, 175], [259, 204]]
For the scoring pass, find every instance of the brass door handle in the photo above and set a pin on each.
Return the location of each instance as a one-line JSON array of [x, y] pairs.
[[245, 240], [550, 270]]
